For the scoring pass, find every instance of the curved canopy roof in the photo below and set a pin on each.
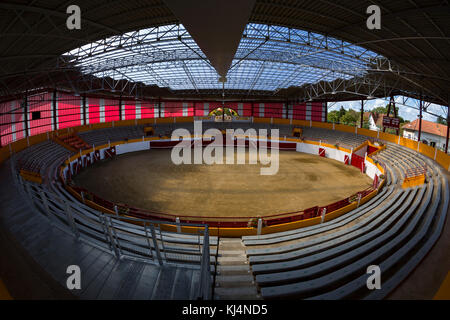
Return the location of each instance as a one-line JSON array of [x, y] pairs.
[[268, 58], [413, 37]]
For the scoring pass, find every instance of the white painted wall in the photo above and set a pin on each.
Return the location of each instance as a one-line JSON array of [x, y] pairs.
[[414, 135], [331, 153]]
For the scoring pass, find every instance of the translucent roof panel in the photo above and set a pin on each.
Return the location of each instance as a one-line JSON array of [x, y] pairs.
[[268, 58]]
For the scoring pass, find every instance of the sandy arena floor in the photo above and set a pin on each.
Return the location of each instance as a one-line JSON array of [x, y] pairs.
[[149, 180]]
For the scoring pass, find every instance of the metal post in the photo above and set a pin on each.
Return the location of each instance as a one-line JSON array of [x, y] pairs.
[[148, 240], [448, 126], [178, 224], [420, 118], [25, 113], [287, 110], [84, 110], [71, 220], [111, 238], [54, 98], [362, 114], [205, 269], [324, 212], [159, 107], [259, 226], [155, 244], [120, 108]]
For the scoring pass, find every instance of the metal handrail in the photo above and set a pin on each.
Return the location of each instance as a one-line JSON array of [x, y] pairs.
[[204, 292], [124, 237]]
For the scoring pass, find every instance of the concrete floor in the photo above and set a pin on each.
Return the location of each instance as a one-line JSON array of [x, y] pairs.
[[149, 180]]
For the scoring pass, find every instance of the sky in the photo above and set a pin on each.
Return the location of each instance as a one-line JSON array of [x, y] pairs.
[[404, 112]]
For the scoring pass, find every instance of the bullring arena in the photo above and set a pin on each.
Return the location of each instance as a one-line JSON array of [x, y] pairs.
[[88, 179]]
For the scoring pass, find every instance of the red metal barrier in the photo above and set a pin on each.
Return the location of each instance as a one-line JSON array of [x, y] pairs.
[[322, 152], [358, 162]]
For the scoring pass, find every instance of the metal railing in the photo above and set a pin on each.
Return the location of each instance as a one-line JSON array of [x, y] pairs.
[[124, 237]]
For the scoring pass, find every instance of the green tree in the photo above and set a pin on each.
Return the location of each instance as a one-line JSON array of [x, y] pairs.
[[333, 116], [342, 112], [379, 110], [349, 118], [441, 120], [366, 123]]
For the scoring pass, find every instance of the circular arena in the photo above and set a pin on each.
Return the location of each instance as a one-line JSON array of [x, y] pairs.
[[234, 191], [171, 158]]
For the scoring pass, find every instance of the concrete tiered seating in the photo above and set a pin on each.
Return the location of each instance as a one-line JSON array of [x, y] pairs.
[[344, 139], [104, 136], [328, 261], [394, 230], [37, 157]]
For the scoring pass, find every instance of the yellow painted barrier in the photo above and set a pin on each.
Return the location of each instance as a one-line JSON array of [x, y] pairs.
[[344, 128], [31, 176], [17, 146], [4, 293], [323, 125], [303, 123], [261, 120], [444, 290], [297, 132], [410, 182], [164, 120], [367, 132], [427, 150], [281, 121], [441, 158]]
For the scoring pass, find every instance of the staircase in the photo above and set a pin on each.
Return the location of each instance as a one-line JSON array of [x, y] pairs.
[[234, 278], [73, 142]]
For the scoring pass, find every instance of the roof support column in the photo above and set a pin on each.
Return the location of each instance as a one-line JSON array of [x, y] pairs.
[[420, 118], [54, 100], [362, 114], [25, 113], [159, 107], [84, 110], [120, 108], [448, 125]]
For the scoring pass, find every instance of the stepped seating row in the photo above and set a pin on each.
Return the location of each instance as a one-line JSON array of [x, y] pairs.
[[302, 233], [104, 276], [329, 261], [175, 247], [345, 139], [338, 270], [323, 247], [36, 157], [394, 230], [133, 240], [104, 136]]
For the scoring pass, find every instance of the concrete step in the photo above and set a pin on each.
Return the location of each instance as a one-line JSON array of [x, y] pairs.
[[232, 246], [233, 269], [234, 260], [230, 281], [232, 253], [236, 293]]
